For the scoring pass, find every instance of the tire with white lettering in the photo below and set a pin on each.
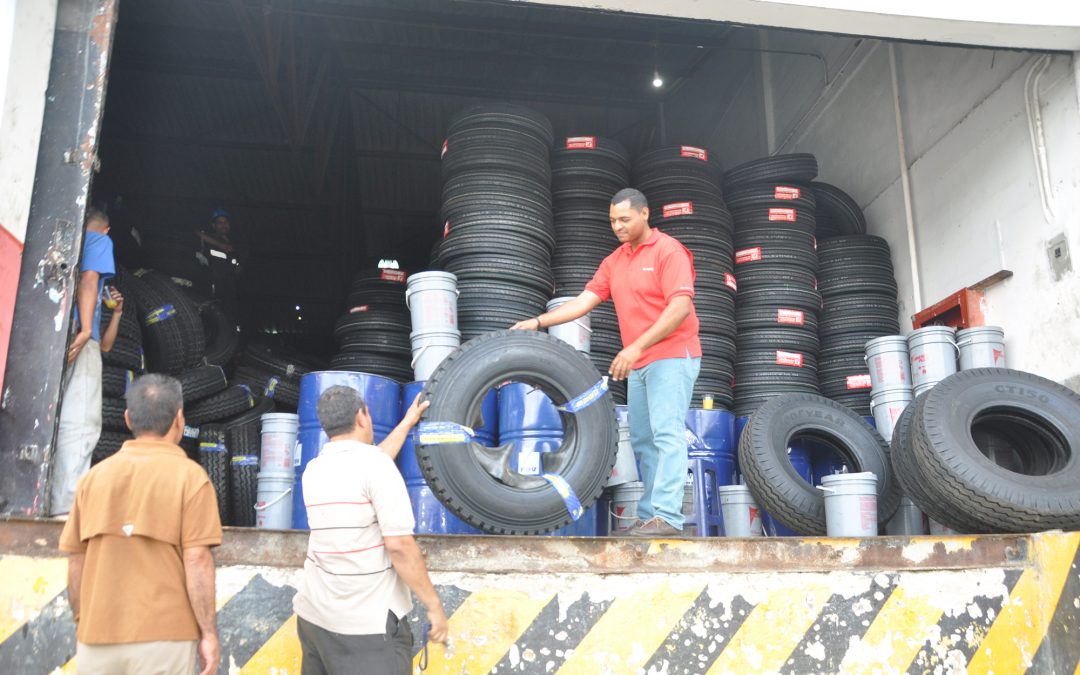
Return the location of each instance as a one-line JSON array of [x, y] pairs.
[[1032, 484], [774, 482], [473, 481]]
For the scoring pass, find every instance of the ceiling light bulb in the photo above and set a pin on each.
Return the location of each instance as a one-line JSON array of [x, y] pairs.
[[657, 81]]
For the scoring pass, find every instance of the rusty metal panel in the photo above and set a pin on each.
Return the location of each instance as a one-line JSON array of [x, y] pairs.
[[67, 157]]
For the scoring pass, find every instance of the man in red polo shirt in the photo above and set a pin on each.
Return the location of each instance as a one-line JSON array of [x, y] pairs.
[[650, 278]]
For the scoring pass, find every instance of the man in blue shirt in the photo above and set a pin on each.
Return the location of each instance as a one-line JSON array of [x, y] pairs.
[[80, 410]]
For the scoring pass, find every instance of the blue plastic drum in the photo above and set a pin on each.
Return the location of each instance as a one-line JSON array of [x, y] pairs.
[[711, 435], [431, 516], [383, 398]]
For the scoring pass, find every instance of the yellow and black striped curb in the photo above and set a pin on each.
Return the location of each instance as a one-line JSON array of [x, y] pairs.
[[1001, 619]]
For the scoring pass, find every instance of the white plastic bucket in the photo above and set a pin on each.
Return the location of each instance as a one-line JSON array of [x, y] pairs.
[[576, 333], [624, 503], [850, 504], [982, 347], [429, 349], [278, 442], [887, 359], [742, 518], [273, 505], [887, 407], [908, 519], [625, 470], [933, 356], [432, 301]]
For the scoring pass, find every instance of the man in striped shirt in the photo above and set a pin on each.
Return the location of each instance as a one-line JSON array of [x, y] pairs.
[[362, 558]]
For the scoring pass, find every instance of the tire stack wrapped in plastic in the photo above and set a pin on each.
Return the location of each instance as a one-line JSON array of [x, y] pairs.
[[858, 292], [682, 184], [373, 336], [498, 229], [775, 266], [214, 456], [586, 171]]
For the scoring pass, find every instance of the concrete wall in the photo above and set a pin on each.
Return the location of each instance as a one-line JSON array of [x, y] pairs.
[[976, 202]]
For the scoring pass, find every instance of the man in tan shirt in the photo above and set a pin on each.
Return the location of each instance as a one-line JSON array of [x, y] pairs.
[[362, 558], [140, 570]]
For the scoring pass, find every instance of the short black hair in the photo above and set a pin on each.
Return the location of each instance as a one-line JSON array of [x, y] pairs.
[[337, 408], [93, 214], [635, 197], [152, 403]]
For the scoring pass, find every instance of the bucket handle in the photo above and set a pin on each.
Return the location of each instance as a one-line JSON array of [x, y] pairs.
[[825, 489], [283, 495], [409, 294], [578, 322], [418, 355]]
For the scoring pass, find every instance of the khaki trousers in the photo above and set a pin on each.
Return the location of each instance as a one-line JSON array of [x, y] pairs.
[[137, 658]]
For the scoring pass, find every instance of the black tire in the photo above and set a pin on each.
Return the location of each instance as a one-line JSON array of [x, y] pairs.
[[172, 330], [243, 433], [995, 498], [220, 406], [837, 213], [243, 470], [112, 414], [773, 481], [125, 354], [516, 504], [215, 458], [198, 383], [797, 167], [220, 331], [114, 381], [278, 360], [109, 442]]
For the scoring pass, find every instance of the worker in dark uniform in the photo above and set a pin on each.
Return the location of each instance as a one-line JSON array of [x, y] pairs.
[[220, 251]]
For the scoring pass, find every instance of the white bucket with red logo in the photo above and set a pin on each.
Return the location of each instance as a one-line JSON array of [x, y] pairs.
[[887, 407], [278, 445], [887, 359], [933, 356], [432, 301], [742, 517], [624, 503], [850, 504], [576, 333], [982, 347]]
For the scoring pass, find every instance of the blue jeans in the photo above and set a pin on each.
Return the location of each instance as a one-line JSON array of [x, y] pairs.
[[659, 396]]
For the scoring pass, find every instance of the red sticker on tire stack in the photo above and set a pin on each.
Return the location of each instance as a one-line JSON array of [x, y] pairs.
[[360, 308], [445, 147], [792, 316], [858, 381], [748, 255], [446, 229], [581, 143], [786, 215], [729, 279], [788, 358], [393, 275], [786, 193], [694, 153], [678, 209]]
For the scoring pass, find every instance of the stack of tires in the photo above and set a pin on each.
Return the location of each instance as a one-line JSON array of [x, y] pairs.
[[585, 172], [777, 302], [172, 329], [373, 336], [858, 293], [498, 233], [837, 213], [682, 184], [274, 373]]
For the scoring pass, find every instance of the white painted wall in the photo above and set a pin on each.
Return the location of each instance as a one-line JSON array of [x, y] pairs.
[[26, 38], [976, 201]]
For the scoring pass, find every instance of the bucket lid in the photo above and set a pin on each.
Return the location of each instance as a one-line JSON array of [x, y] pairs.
[[981, 330], [420, 334], [280, 417], [864, 476], [892, 396], [733, 489], [886, 341], [555, 302], [431, 274]]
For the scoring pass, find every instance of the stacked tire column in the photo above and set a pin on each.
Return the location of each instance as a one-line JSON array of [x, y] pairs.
[[498, 231], [586, 171], [373, 336], [777, 300], [858, 292], [682, 184]]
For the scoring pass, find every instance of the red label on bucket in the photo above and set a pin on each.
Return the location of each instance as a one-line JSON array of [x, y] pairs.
[[792, 316], [747, 255], [729, 279], [393, 275], [359, 308], [785, 192], [788, 359], [858, 381], [445, 147], [868, 512], [581, 143], [787, 215], [694, 153], [678, 209], [998, 355]]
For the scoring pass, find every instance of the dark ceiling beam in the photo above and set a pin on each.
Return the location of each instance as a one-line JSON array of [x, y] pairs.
[[588, 26], [232, 201]]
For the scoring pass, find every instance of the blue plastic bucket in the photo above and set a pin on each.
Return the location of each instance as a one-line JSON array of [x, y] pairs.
[[383, 398], [711, 435], [431, 516]]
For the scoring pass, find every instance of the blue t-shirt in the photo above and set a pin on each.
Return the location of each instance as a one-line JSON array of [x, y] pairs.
[[97, 257]]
